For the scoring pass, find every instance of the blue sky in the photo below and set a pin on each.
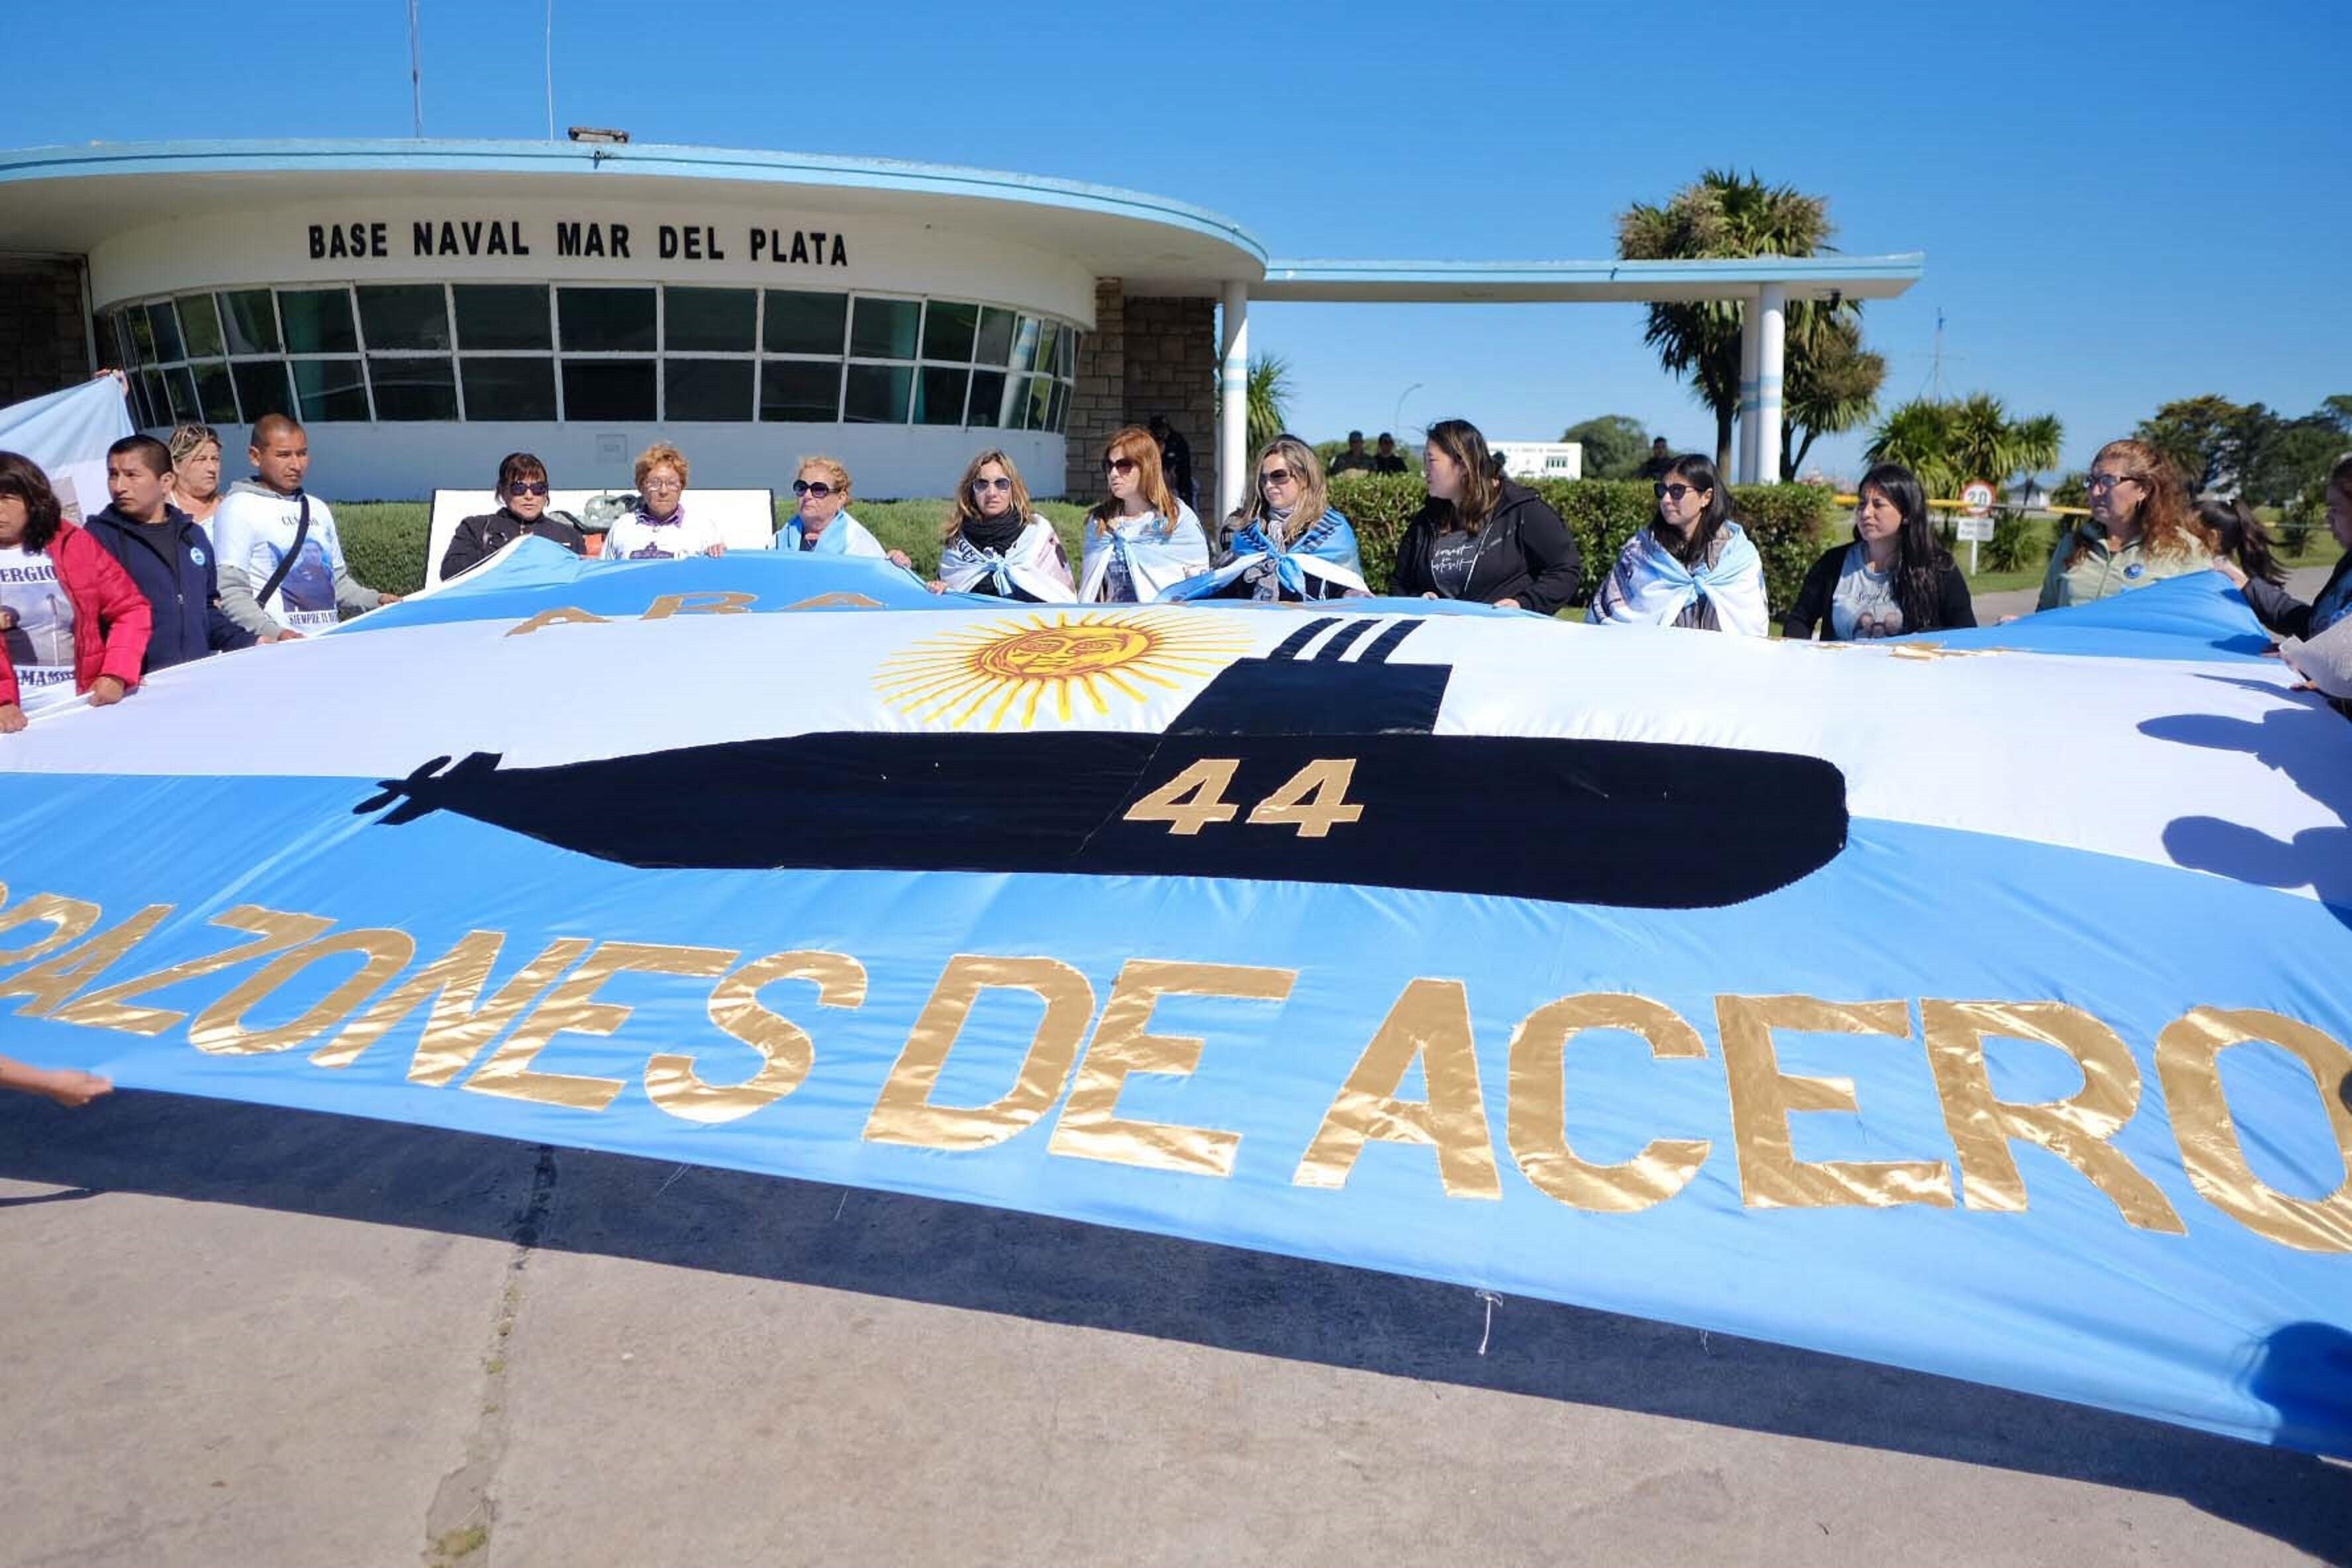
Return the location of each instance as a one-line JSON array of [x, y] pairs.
[[2119, 204]]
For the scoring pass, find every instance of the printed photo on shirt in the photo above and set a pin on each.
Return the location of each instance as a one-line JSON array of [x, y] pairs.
[[36, 626], [307, 596]]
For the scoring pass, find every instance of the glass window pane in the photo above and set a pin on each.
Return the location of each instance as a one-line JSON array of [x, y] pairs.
[[802, 391], [166, 327], [1069, 365], [262, 387], [182, 388], [877, 393], [938, 397], [987, 398], [405, 316], [884, 329], [803, 323], [1061, 410], [154, 404], [200, 324], [215, 392], [1024, 344], [413, 388], [1049, 351], [607, 320], [330, 388], [1040, 392], [503, 316], [608, 389], [509, 389], [949, 329], [707, 389], [317, 320], [995, 337], [721, 321], [252, 324], [142, 334], [114, 340]]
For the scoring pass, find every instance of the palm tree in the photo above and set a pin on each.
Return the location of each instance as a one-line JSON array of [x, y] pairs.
[[1269, 392], [1949, 443], [1833, 387], [1724, 216]]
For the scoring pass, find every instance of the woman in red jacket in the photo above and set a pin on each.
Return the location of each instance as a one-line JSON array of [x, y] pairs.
[[71, 616]]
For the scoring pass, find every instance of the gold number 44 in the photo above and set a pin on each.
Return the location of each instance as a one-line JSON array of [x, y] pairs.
[[1313, 801]]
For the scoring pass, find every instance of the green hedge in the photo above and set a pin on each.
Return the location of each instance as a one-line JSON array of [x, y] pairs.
[[385, 541], [1788, 523]]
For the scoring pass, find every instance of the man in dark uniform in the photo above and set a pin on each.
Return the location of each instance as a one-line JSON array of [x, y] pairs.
[[1175, 459]]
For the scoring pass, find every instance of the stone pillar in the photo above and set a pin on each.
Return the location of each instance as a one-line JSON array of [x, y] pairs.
[[1099, 401], [1171, 369], [44, 337]]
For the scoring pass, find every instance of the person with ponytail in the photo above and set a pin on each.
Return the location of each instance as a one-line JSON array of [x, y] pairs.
[[1491, 540], [1286, 542], [1892, 580], [1692, 567], [1140, 541], [2141, 531], [2281, 611], [996, 544], [2242, 547]]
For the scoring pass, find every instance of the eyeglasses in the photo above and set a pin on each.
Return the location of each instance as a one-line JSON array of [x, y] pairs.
[[662, 486], [1276, 476], [532, 487], [817, 487], [1119, 465], [1675, 492], [2108, 482], [999, 483]]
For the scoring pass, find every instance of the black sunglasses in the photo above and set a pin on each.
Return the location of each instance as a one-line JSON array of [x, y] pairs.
[[818, 489], [1119, 465], [528, 487], [1678, 491], [1276, 476]]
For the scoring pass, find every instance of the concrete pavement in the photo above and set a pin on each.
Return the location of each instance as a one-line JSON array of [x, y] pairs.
[[252, 1336]]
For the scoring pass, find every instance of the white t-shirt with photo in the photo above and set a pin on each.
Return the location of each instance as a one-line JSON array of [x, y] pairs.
[[37, 623], [253, 531]]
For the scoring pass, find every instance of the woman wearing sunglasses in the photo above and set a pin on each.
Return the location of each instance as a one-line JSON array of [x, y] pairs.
[[1692, 567], [1140, 541], [2141, 529], [522, 509], [996, 545], [1893, 580], [1480, 538], [1286, 542], [819, 526], [660, 529]]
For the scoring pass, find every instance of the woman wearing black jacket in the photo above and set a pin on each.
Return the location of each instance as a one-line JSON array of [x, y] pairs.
[[1893, 580], [522, 509], [1483, 539]]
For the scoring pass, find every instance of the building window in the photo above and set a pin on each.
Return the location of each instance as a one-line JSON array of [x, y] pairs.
[[635, 352]]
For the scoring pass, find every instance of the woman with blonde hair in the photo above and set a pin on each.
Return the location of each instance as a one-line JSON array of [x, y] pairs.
[[1286, 542], [1140, 541], [820, 525], [2141, 531], [195, 473], [995, 542], [661, 530]]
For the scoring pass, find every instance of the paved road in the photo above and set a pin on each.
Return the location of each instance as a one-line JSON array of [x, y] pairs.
[[2304, 583], [250, 1336]]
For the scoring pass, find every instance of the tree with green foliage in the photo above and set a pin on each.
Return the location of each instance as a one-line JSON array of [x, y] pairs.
[[1833, 387], [1951, 442], [1616, 446], [2211, 440], [1723, 216], [1269, 399]]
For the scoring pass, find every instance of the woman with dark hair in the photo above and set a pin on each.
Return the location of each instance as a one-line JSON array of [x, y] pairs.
[[1286, 542], [2242, 547], [2281, 611], [1893, 578], [522, 509], [1489, 540], [1692, 567], [2140, 530], [1140, 541], [72, 618], [996, 543]]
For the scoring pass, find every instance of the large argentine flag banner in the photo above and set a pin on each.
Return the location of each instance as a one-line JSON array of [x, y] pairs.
[[1978, 1006]]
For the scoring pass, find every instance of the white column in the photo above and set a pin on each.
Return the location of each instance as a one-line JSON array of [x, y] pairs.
[[1770, 351], [1744, 470], [1233, 406]]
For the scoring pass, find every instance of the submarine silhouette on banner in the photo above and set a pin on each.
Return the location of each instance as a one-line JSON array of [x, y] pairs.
[[1293, 767]]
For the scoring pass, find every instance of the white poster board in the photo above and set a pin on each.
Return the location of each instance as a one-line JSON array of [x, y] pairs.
[[746, 519]]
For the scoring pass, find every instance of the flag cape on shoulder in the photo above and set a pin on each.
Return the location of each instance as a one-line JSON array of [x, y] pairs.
[[845, 535], [1158, 554], [1321, 564], [1968, 1005], [1036, 565], [1648, 587]]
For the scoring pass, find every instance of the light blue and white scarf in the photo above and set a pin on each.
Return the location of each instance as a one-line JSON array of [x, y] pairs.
[[1322, 563], [1648, 587], [1151, 556], [845, 535], [1034, 568]]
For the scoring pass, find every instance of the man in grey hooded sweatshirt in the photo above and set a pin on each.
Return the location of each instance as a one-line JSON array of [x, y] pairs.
[[282, 561]]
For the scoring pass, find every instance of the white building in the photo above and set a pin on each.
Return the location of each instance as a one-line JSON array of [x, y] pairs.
[[1540, 459]]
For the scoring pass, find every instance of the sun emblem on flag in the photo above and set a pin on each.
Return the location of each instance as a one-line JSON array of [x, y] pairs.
[[1005, 672]]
